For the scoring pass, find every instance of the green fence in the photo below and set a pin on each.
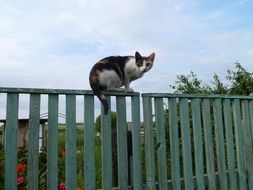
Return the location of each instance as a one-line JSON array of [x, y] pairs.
[[191, 142], [209, 141]]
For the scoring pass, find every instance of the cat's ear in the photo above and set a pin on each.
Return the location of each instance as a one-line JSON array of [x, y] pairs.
[[151, 57], [138, 56]]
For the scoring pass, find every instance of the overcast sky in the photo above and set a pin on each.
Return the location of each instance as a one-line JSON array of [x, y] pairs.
[[53, 44]]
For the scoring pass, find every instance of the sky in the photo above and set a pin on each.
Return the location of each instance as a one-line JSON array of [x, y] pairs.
[[54, 44]]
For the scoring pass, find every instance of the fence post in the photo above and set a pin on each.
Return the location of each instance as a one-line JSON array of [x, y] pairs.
[[209, 146], [219, 139], [242, 177], [33, 143], [11, 141], [230, 145], [247, 136], [52, 156], [161, 144], [90, 171], [174, 144], [149, 143], [137, 177], [198, 143], [186, 143], [122, 142], [106, 132], [71, 177]]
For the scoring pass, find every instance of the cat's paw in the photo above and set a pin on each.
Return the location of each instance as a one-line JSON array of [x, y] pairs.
[[129, 90]]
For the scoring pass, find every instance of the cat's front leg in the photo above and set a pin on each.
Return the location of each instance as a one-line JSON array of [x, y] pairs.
[[127, 87], [129, 90]]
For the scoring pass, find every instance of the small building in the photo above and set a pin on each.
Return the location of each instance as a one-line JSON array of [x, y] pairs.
[[22, 132]]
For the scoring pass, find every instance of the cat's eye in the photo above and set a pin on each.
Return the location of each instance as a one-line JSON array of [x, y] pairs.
[[147, 64]]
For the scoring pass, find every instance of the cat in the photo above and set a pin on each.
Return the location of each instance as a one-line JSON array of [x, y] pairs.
[[111, 73]]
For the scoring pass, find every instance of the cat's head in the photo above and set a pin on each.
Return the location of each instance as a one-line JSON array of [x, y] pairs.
[[144, 63]]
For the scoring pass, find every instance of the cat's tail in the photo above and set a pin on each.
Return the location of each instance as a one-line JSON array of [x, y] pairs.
[[102, 99]]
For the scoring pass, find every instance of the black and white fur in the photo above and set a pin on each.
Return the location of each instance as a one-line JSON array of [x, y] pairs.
[[114, 72]]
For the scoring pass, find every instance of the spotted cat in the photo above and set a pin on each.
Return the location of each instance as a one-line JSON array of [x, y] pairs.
[[111, 73]]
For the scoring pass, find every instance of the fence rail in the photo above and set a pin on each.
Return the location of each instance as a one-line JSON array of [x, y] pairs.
[[190, 141]]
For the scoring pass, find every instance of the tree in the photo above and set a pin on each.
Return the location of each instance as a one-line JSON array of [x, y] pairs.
[[240, 82], [189, 84], [113, 122]]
